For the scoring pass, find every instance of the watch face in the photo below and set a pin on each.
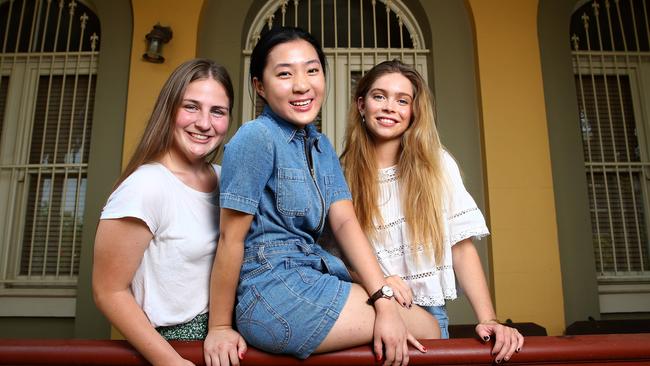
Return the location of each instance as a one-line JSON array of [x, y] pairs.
[[387, 291]]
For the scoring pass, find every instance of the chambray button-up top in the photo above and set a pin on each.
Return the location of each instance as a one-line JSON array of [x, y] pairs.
[[285, 176]]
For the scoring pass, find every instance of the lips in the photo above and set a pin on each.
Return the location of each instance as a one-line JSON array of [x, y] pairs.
[[198, 136], [301, 105], [386, 121]]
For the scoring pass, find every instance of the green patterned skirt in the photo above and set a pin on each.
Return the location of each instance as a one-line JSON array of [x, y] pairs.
[[195, 329]]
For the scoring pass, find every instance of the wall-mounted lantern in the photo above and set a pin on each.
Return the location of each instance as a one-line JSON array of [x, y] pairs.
[[158, 36]]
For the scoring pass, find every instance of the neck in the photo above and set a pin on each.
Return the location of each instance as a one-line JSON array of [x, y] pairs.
[[181, 165], [387, 153]]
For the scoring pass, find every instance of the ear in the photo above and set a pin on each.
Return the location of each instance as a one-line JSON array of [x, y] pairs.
[[361, 106], [259, 87]]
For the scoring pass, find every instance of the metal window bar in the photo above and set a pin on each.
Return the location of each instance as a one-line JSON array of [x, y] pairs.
[[615, 163], [47, 179]]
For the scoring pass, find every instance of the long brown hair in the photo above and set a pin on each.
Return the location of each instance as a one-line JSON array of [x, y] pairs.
[[421, 176], [157, 138]]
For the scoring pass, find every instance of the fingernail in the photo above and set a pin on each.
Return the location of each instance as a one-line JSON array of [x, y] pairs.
[[486, 338], [404, 304], [497, 361], [517, 350], [410, 305], [506, 358], [378, 358]]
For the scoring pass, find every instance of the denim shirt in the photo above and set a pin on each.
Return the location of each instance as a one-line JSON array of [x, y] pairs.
[[287, 177]]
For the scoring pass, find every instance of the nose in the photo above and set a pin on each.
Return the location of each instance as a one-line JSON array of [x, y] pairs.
[[389, 105], [203, 120], [300, 84]]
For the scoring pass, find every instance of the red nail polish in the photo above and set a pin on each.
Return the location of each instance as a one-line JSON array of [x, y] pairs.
[[424, 348], [378, 358]]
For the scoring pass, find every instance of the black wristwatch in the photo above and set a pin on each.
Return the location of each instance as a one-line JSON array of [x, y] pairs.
[[385, 292]]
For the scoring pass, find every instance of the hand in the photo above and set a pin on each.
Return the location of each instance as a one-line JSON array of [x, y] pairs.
[[391, 335], [223, 346], [401, 291], [507, 340]]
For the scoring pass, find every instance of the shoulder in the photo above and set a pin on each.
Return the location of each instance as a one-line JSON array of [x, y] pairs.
[[144, 182], [217, 170]]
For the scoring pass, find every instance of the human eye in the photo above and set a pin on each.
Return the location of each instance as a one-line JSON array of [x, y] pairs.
[[313, 70], [219, 112], [190, 107], [283, 74], [403, 101], [378, 97]]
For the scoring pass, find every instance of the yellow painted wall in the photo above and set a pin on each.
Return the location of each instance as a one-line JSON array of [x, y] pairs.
[[145, 78], [525, 253]]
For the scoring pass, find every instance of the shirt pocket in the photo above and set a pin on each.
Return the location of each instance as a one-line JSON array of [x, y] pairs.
[[293, 193]]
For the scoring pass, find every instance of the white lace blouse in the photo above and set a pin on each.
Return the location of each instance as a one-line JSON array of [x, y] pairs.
[[431, 284]]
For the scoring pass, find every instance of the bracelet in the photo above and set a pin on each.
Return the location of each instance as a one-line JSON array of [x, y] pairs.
[[491, 321]]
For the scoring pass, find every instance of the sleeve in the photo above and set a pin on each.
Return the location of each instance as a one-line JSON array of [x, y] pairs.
[[139, 196], [246, 168], [336, 182], [464, 218]]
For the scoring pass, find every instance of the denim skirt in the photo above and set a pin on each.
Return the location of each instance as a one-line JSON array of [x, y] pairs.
[[440, 313], [290, 295]]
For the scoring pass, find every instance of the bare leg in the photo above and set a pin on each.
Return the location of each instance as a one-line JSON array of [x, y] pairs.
[[355, 325]]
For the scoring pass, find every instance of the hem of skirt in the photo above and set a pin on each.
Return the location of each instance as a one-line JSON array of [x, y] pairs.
[[327, 322]]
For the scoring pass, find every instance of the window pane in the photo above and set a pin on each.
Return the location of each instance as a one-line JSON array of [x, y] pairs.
[[52, 232], [63, 119]]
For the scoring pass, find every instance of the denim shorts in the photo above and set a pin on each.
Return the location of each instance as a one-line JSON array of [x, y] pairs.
[[440, 312], [290, 295]]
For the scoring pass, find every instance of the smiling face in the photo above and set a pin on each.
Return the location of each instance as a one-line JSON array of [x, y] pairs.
[[201, 120], [387, 107], [293, 82]]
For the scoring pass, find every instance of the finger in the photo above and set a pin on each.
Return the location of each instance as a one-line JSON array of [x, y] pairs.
[[215, 360], [389, 354], [405, 352], [233, 357], [505, 347], [241, 348], [223, 359], [513, 345], [379, 354], [520, 342], [206, 357], [483, 332], [416, 343], [498, 339]]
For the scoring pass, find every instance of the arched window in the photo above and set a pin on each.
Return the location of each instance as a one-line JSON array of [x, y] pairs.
[[355, 35], [611, 61], [48, 65]]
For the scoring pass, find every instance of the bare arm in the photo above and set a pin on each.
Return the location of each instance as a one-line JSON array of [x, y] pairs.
[[223, 345], [471, 278], [119, 248]]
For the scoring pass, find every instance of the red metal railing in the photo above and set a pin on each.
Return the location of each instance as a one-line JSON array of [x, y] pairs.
[[611, 349]]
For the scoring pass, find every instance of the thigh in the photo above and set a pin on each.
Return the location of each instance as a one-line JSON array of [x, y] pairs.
[[440, 312], [356, 323]]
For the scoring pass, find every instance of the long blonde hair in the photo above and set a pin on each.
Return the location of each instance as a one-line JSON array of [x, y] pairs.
[[421, 176], [158, 135]]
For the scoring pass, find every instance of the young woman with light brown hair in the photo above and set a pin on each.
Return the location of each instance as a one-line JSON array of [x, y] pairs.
[[410, 200]]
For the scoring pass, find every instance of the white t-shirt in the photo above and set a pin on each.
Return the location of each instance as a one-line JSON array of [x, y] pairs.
[[431, 284], [172, 282]]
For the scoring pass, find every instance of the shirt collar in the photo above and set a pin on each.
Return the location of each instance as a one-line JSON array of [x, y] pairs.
[[289, 131]]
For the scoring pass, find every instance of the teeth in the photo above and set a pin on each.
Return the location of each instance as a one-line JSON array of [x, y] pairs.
[[386, 120], [199, 137], [301, 104]]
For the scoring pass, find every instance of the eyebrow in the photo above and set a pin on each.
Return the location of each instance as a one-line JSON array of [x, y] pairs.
[[197, 102], [385, 92], [288, 64]]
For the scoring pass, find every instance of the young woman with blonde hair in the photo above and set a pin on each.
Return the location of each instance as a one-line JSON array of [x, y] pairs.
[[411, 202]]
